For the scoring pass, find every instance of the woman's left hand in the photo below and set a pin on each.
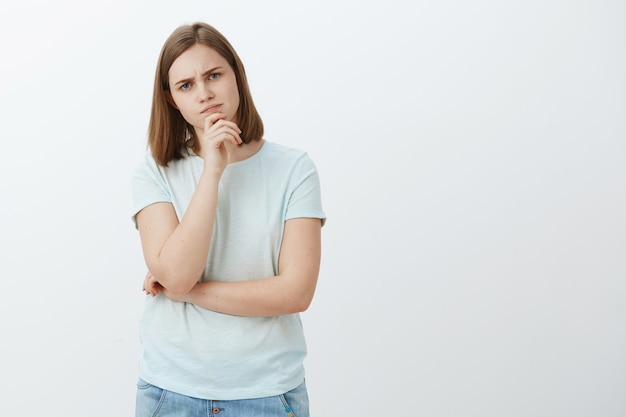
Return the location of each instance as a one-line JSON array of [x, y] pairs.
[[151, 286]]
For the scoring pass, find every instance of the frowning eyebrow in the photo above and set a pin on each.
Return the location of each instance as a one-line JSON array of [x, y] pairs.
[[204, 74]]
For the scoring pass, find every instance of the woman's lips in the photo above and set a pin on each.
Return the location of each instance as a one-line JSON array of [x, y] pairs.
[[212, 109]]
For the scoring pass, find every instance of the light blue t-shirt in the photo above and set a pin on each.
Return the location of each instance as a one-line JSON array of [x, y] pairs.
[[204, 354]]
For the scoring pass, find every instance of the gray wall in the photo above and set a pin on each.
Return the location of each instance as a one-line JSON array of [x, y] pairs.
[[472, 159]]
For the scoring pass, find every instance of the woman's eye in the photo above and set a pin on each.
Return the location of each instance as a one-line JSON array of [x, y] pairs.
[[214, 76], [185, 86]]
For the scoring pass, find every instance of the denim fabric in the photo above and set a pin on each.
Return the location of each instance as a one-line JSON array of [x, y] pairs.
[[156, 402]]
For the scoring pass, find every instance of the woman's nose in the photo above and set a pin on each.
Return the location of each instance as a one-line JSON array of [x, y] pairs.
[[205, 91]]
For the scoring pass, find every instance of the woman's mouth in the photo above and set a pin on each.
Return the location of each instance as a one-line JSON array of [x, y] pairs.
[[212, 109]]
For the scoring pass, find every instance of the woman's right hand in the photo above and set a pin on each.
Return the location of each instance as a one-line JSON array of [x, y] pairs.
[[217, 133]]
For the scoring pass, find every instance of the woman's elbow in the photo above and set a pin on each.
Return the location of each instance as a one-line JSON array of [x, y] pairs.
[[302, 307], [178, 285], [179, 291], [302, 302]]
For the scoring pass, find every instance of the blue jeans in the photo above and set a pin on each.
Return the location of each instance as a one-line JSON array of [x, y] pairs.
[[156, 402]]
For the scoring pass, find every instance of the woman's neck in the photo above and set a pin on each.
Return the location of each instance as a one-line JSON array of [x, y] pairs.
[[244, 151]]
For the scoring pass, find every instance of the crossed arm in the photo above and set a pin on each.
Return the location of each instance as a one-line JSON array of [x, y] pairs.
[[176, 254], [288, 292]]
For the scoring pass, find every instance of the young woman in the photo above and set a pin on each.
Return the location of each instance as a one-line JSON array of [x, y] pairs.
[[230, 231]]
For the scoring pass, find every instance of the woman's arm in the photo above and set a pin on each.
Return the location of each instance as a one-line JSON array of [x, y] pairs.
[[290, 291], [176, 253]]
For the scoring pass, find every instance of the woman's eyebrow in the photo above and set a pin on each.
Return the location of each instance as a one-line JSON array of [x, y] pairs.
[[204, 74]]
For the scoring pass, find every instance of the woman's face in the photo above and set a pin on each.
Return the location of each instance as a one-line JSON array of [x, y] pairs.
[[201, 82]]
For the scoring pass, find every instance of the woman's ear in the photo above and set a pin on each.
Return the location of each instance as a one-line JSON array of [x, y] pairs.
[[168, 97]]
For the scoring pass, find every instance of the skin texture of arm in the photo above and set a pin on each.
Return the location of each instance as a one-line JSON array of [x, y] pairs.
[[176, 253], [290, 291]]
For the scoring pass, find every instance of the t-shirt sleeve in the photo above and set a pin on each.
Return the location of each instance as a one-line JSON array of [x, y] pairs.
[[305, 199], [147, 186]]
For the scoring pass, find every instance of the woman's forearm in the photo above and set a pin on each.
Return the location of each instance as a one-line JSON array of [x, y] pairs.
[[180, 261], [291, 291], [272, 296]]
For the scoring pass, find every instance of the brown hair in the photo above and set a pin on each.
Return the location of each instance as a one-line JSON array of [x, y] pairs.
[[168, 131]]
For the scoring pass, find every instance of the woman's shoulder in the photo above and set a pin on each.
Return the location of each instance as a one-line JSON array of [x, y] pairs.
[[281, 151], [148, 165]]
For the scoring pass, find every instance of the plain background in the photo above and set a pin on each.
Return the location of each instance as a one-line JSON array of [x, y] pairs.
[[473, 163]]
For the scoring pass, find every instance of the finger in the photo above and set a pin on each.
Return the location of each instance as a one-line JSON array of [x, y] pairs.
[[223, 122], [211, 119], [228, 133], [233, 136]]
